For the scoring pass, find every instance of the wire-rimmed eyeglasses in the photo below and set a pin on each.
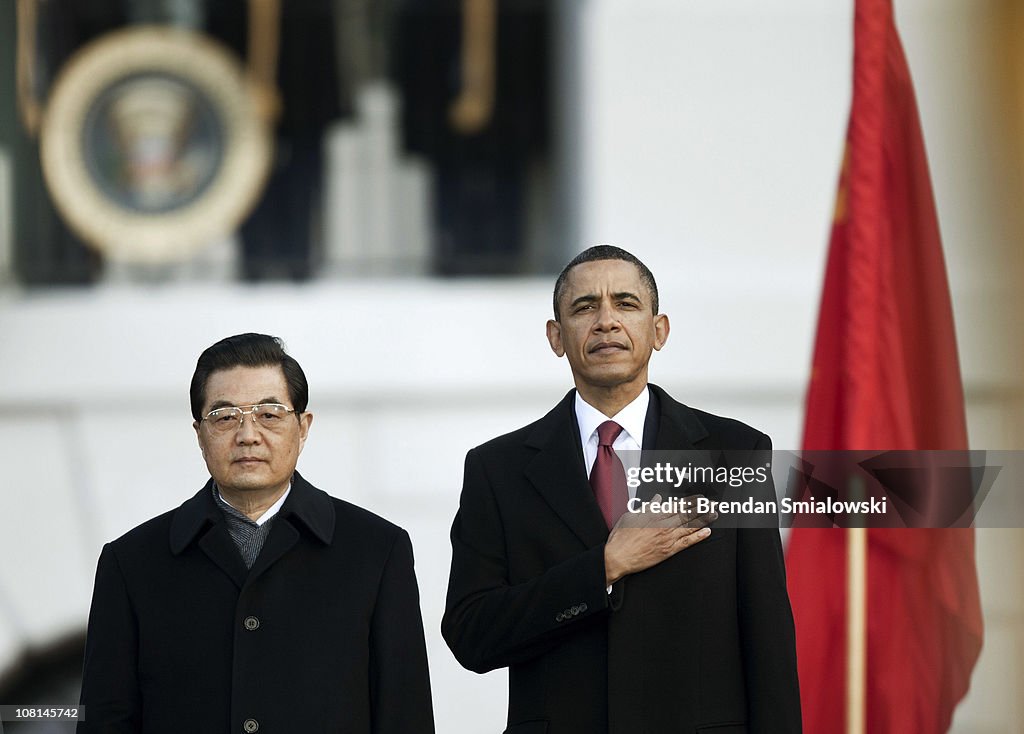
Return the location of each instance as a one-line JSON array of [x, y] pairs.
[[266, 415]]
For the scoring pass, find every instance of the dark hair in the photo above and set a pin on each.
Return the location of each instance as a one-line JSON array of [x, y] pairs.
[[248, 350], [605, 252]]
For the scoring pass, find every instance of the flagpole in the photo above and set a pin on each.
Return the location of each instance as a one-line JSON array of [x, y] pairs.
[[856, 629]]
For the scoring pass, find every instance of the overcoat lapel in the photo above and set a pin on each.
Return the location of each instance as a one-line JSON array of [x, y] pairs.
[[559, 474], [282, 537], [198, 515], [216, 543], [679, 427], [306, 505], [669, 426]]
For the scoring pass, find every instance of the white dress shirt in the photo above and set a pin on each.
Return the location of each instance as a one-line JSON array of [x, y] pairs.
[[628, 443]]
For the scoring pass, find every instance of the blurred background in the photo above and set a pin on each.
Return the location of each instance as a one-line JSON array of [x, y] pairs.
[[390, 186]]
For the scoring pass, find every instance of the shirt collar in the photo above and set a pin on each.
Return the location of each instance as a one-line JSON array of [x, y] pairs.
[[631, 418], [266, 516]]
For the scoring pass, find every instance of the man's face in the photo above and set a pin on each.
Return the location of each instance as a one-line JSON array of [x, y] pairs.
[[607, 329], [251, 458]]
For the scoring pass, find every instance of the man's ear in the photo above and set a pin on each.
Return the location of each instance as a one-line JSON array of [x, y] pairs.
[[199, 438], [554, 331], [305, 421], [661, 329]]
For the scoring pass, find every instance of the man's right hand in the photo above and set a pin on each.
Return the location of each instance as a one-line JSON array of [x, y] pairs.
[[641, 540]]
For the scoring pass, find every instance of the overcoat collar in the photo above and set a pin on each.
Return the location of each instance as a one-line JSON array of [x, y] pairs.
[[678, 429], [559, 473], [310, 505]]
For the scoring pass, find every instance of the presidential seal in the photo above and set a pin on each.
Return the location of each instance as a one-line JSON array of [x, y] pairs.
[[151, 144]]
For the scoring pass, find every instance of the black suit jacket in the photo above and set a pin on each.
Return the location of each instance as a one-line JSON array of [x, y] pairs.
[[323, 634], [702, 641]]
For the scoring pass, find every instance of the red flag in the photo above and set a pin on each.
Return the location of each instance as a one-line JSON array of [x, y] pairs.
[[885, 376]]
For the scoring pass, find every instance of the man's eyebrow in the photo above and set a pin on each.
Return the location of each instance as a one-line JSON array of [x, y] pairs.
[[626, 295], [589, 298]]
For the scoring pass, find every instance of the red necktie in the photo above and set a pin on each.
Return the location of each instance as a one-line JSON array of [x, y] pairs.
[[608, 478]]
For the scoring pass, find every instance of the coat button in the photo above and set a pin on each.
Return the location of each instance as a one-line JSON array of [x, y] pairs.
[[583, 607], [559, 617], [251, 623], [250, 725]]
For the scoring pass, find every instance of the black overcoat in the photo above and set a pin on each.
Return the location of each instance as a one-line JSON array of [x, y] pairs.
[[323, 634], [701, 642]]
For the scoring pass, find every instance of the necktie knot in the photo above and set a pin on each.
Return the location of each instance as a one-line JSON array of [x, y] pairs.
[[607, 432]]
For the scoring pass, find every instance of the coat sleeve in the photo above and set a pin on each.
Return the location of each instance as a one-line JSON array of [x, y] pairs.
[[490, 622], [399, 679], [766, 628], [110, 686]]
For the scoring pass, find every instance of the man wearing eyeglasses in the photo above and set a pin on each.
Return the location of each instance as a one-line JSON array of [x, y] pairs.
[[262, 603]]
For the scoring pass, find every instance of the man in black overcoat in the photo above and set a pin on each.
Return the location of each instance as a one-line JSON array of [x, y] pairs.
[[262, 603], [610, 621]]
